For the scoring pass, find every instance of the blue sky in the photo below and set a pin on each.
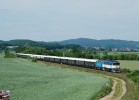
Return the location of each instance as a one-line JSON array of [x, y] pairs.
[[55, 20]]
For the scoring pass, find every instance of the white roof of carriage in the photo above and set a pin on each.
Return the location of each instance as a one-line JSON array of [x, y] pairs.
[[57, 57]]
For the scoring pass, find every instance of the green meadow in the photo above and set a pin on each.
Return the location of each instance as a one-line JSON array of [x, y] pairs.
[[35, 81], [129, 64]]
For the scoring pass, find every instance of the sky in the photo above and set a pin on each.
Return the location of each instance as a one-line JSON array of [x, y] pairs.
[[56, 20]]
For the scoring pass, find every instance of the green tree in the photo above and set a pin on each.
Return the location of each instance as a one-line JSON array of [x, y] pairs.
[[8, 54]]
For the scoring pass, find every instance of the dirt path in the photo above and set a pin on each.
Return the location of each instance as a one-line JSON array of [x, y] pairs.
[[111, 95], [123, 89]]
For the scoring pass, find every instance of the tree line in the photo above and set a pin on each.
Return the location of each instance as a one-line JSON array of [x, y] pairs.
[[77, 51]]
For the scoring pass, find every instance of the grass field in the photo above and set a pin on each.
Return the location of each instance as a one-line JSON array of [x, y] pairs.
[[113, 53], [33, 81], [129, 64]]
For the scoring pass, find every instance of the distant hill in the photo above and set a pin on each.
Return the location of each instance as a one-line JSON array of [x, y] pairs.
[[21, 42], [25, 42], [109, 43], [1, 41]]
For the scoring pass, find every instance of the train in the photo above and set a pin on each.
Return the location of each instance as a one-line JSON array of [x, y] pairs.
[[105, 65]]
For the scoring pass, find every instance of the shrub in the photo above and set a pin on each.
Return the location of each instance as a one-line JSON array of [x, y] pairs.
[[9, 54], [134, 76], [125, 70], [34, 60]]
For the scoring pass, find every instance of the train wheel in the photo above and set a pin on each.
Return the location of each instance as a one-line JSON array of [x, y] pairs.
[[103, 68]]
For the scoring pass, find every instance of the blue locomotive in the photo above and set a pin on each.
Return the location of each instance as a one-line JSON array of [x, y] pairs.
[[108, 65]]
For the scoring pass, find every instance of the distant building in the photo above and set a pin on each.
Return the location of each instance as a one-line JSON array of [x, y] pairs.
[[114, 49], [11, 47]]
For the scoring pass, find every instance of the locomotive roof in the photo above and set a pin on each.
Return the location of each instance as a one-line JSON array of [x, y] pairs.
[[113, 61]]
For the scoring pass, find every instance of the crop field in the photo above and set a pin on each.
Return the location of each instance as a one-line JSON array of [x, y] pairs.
[[114, 53], [34, 81], [129, 64]]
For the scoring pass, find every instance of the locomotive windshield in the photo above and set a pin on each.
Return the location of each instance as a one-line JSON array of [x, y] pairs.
[[116, 63]]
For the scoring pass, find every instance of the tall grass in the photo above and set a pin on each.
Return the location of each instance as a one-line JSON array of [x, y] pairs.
[[107, 88]]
